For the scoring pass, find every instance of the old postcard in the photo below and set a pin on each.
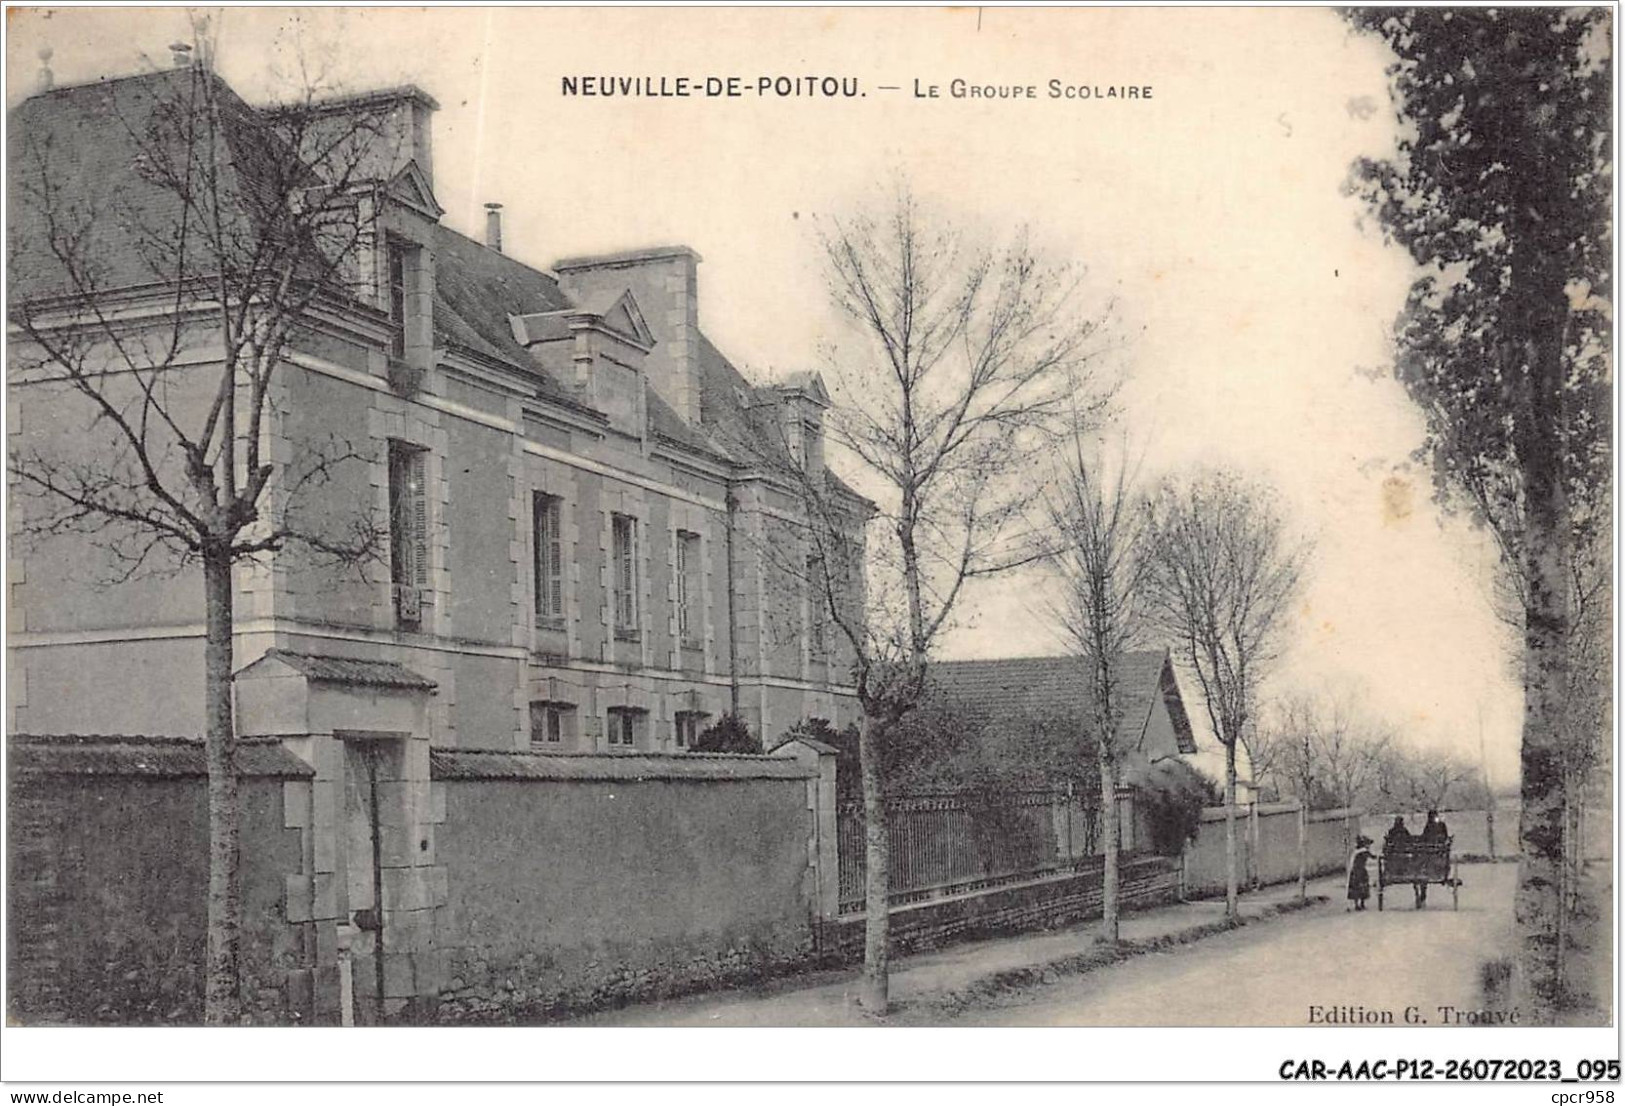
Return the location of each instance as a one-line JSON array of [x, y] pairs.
[[597, 518]]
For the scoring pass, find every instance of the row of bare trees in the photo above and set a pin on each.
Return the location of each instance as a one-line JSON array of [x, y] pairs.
[[1202, 564], [1320, 749], [1324, 753], [971, 388]]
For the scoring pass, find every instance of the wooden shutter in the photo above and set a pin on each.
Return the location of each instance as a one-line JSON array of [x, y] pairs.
[[408, 530], [682, 585], [555, 555], [420, 519], [549, 556], [626, 574]]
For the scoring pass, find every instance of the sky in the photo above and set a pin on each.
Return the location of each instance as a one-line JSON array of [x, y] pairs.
[[1255, 308]]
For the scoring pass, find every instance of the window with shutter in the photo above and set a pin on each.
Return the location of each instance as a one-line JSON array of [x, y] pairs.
[[624, 529], [408, 532], [689, 620], [549, 558]]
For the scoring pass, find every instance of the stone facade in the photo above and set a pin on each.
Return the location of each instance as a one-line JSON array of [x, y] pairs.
[[592, 545], [592, 384]]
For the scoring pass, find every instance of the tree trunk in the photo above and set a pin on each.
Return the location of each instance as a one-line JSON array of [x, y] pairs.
[[875, 985], [1231, 908], [1109, 835], [1303, 850], [222, 1003], [1538, 905]]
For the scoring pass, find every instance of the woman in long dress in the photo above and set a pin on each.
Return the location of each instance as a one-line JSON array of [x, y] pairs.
[[1359, 877]]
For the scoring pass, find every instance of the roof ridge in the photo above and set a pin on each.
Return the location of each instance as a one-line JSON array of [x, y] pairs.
[[109, 738], [1044, 657], [104, 82], [129, 739]]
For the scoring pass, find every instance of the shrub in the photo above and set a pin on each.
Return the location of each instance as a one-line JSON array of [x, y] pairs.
[[1173, 794], [728, 734], [845, 744]]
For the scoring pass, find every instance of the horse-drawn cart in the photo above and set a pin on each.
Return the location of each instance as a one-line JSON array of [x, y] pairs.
[[1420, 862]]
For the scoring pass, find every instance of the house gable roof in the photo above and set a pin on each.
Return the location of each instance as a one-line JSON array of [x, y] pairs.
[[1058, 687]]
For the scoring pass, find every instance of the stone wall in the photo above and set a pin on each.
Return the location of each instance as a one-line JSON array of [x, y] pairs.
[[1267, 846], [107, 877], [580, 881]]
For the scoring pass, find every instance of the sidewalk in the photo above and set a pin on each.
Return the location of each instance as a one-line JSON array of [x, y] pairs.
[[936, 982]]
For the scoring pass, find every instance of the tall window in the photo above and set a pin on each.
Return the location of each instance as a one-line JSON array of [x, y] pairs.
[[408, 532], [549, 555], [817, 645], [689, 620], [625, 536], [398, 254], [626, 727]]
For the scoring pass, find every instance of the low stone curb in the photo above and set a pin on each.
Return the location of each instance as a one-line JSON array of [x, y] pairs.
[[998, 984]]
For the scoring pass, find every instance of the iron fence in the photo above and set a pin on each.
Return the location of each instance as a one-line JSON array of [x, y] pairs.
[[949, 844]]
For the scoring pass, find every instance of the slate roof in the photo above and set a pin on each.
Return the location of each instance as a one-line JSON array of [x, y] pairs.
[[480, 764], [1058, 687], [91, 141], [87, 135], [741, 419], [351, 670], [140, 755], [476, 289]]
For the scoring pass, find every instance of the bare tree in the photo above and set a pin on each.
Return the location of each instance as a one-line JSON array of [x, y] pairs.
[[1100, 525], [1409, 779], [155, 294], [1321, 750], [951, 365], [1288, 747], [1223, 576]]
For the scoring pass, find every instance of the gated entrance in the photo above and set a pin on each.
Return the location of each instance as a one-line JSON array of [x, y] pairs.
[[368, 758]]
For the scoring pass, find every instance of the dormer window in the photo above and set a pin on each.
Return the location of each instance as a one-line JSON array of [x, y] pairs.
[[812, 447], [401, 261]]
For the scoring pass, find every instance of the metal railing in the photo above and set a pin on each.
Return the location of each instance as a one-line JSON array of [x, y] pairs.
[[949, 844]]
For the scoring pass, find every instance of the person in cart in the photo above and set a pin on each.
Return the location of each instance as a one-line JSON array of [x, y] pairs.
[[1398, 838], [1437, 836]]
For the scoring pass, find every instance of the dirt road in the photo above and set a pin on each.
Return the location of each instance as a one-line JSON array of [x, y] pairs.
[[1323, 965]]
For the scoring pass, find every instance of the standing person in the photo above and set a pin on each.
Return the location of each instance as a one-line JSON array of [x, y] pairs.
[[1359, 877]]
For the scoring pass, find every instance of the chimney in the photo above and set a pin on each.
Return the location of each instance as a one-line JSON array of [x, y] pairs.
[[46, 77], [493, 226], [663, 280], [181, 54]]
